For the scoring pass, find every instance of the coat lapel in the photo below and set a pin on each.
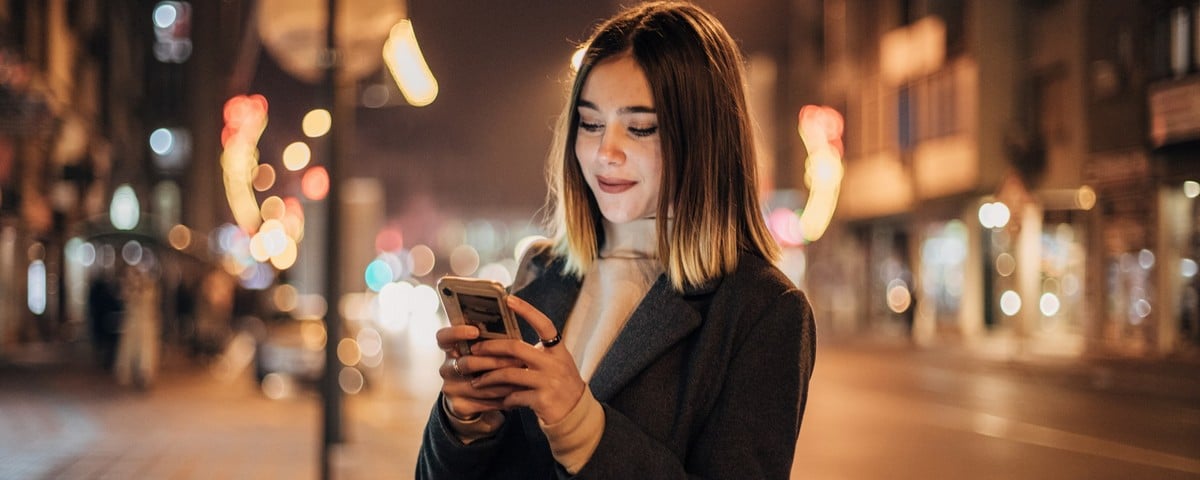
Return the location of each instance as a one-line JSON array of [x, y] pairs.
[[662, 319], [554, 294]]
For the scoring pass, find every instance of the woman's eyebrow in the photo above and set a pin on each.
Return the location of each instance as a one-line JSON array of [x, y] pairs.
[[631, 109]]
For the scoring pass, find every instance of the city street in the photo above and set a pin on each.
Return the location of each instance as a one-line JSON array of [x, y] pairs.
[[876, 411]]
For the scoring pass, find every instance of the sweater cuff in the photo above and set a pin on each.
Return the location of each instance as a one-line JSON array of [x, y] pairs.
[[471, 429], [574, 439]]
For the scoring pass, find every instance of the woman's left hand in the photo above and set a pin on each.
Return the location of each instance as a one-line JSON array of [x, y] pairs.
[[551, 385]]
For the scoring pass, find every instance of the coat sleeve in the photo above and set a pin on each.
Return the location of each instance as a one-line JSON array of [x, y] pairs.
[[442, 455], [752, 429]]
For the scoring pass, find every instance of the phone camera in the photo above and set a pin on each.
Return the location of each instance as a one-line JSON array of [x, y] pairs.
[[447, 292]]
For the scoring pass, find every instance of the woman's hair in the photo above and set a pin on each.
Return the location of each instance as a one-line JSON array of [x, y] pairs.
[[708, 211]]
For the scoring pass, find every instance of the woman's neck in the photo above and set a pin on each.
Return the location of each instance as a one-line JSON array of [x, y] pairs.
[[634, 239]]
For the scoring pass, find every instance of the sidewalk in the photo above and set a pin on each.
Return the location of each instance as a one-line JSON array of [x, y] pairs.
[[67, 420]]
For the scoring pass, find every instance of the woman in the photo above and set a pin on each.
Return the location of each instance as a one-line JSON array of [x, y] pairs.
[[662, 341]]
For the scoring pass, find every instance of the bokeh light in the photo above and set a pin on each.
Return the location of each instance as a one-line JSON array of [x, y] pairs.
[[898, 296], [1005, 264], [378, 274], [263, 177], [351, 380], [1049, 304], [1191, 189], [1010, 303], [315, 183], [296, 156], [124, 211], [272, 209], [348, 352], [422, 260], [316, 122], [284, 297], [464, 260], [389, 239], [180, 237]]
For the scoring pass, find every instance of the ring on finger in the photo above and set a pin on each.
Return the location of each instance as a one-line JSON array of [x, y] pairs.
[[457, 370], [551, 342]]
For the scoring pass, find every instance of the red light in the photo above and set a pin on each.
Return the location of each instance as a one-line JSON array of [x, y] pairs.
[[315, 183]]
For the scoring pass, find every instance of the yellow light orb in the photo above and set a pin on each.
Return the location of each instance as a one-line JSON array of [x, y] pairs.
[[296, 156], [316, 122]]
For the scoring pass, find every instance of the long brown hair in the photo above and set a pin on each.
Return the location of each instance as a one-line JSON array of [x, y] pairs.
[[709, 191]]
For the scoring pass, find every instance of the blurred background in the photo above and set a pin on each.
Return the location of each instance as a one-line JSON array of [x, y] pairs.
[[991, 205]]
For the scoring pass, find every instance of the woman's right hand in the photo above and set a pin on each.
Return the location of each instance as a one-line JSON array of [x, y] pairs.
[[463, 400]]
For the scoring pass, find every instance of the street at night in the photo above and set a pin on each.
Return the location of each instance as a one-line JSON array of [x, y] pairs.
[[224, 227]]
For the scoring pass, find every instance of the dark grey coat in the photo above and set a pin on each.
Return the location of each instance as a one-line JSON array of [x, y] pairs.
[[707, 384]]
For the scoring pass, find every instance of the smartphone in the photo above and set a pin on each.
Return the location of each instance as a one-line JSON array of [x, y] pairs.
[[478, 302]]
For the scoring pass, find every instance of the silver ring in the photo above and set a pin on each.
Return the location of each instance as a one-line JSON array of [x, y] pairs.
[[551, 342], [454, 365]]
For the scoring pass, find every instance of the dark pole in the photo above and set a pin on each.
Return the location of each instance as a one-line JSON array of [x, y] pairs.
[[331, 392]]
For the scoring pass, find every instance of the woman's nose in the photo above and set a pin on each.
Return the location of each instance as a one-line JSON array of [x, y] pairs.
[[611, 150]]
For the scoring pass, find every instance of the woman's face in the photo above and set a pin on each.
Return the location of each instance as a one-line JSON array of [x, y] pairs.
[[617, 142]]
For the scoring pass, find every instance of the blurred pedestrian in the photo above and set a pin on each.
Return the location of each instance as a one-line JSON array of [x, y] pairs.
[[214, 312], [104, 318], [141, 333], [660, 339]]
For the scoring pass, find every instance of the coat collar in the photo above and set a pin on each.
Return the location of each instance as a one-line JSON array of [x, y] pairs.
[[662, 319]]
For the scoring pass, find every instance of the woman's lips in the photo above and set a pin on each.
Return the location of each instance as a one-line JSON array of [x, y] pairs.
[[614, 185]]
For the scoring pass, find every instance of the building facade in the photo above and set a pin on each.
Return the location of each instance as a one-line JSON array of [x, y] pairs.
[[1003, 186]]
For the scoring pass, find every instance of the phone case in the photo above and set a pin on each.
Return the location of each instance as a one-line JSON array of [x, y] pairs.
[[479, 302]]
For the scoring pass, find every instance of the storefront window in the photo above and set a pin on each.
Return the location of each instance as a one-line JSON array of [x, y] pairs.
[[1060, 301], [943, 258]]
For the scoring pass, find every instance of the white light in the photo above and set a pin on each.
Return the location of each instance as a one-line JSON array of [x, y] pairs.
[[1142, 308], [161, 141], [985, 215], [165, 15], [1049, 304], [132, 252], [36, 287], [1187, 267], [424, 300], [1191, 189], [1000, 210], [86, 254], [1010, 303], [395, 306], [1146, 259], [124, 210]]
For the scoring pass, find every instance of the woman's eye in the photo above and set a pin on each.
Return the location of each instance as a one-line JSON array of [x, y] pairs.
[[590, 127], [643, 132]]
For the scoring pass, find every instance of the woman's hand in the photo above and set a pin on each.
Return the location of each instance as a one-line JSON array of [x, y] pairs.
[[463, 399], [549, 383]]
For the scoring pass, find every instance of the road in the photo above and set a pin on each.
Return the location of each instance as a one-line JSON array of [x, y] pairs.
[[876, 411]]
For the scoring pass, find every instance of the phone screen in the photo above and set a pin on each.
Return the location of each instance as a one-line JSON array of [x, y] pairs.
[[483, 312]]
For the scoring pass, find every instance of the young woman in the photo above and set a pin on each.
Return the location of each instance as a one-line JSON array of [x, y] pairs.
[[660, 339]]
